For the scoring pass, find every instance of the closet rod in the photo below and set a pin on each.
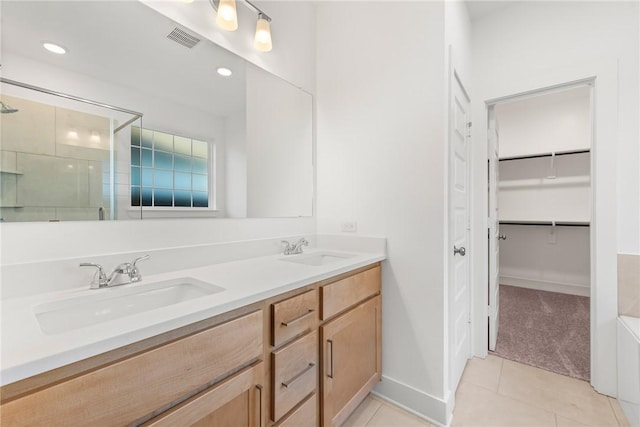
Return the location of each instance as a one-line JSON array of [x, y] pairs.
[[549, 223], [534, 156]]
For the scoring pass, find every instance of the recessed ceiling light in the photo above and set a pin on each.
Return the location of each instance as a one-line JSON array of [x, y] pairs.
[[224, 72], [52, 47]]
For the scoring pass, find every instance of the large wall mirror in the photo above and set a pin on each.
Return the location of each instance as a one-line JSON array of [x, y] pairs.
[[185, 139]]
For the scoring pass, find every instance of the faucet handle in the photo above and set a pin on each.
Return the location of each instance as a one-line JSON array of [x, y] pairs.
[[299, 245], [288, 247], [134, 273], [100, 274], [142, 258]]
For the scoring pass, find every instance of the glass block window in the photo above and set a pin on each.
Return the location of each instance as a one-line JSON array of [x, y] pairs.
[[169, 170]]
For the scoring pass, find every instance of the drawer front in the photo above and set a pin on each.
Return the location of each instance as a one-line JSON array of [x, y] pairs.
[[295, 374], [141, 384], [236, 401], [305, 416], [340, 295], [293, 317]]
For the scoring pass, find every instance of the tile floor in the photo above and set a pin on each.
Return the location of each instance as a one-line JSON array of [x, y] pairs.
[[499, 392]]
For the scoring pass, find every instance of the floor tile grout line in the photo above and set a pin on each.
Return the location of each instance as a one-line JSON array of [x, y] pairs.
[[500, 375], [366, 424], [542, 408], [615, 415]]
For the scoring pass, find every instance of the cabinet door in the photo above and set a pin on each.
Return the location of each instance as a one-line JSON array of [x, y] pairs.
[[235, 402], [351, 365]]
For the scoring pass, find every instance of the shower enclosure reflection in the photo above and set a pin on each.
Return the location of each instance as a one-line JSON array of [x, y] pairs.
[[58, 159]]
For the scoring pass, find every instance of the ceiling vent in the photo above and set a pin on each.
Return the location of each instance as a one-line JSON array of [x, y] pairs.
[[182, 37]]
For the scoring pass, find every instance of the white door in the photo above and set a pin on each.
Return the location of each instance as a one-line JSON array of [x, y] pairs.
[[494, 236], [459, 132]]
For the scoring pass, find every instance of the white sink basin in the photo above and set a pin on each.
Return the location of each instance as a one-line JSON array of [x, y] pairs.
[[112, 303], [319, 258]]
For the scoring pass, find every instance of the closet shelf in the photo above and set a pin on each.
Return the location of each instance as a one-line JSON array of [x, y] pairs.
[[11, 172], [535, 156], [548, 223]]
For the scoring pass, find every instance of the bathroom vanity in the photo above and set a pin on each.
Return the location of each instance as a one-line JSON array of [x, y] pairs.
[[303, 353]]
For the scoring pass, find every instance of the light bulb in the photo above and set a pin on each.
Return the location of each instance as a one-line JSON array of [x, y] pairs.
[[262, 40], [72, 134], [227, 18]]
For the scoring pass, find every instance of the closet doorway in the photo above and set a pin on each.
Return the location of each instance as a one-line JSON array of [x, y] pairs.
[[539, 229]]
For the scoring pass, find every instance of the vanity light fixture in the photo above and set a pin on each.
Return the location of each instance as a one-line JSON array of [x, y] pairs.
[[224, 71], [227, 19], [262, 40], [54, 48]]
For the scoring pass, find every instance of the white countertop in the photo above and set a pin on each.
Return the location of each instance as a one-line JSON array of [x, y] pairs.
[[27, 351]]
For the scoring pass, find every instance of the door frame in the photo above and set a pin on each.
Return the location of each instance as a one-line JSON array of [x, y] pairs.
[[602, 76]]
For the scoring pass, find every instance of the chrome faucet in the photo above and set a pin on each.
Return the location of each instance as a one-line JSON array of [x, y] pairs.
[[296, 248], [101, 280]]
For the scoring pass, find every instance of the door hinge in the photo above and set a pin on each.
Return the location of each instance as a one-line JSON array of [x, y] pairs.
[[469, 128]]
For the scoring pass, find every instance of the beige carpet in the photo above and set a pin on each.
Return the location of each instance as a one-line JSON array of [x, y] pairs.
[[545, 329]]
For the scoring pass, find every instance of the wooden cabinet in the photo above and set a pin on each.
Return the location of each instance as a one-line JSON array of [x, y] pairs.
[[293, 316], [133, 388], [234, 402], [295, 374], [306, 415], [348, 291], [351, 360], [323, 359]]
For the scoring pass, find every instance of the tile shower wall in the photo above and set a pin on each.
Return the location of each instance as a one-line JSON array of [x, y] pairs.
[[629, 285], [55, 170]]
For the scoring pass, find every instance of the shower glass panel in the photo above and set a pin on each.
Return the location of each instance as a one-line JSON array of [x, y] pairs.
[[62, 159]]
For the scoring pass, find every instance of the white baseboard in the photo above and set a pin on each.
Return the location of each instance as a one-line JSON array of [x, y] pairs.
[[543, 285], [419, 403]]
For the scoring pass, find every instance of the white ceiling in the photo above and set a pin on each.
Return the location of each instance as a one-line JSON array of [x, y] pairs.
[[125, 43]]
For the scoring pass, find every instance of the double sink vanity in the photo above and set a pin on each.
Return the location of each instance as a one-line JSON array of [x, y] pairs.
[[275, 340]]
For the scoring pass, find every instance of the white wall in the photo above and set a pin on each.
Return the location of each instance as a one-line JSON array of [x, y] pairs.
[[530, 45], [279, 147], [553, 122], [381, 86], [24, 242], [236, 166]]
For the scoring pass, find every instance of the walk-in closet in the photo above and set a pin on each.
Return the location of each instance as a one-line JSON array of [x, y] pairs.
[[543, 149]]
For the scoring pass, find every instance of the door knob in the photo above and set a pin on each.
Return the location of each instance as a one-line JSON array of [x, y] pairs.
[[502, 237], [462, 251]]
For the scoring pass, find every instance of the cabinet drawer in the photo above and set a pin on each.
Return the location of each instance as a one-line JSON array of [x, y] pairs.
[[140, 384], [293, 316], [295, 374], [305, 416], [234, 402], [338, 296]]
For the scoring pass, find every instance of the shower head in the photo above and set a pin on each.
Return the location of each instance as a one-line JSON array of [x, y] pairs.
[[7, 109]]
